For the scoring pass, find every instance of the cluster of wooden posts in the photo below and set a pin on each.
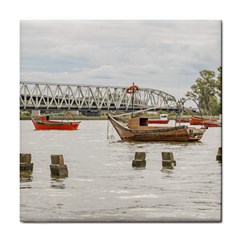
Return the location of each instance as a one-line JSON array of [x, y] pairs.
[[167, 160], [57, 166], [59, 169]]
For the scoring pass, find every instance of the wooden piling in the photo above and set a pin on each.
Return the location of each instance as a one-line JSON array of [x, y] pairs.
[[139, 159], [57, 167], [57, 159], [168, 160], [25, 162], [219, 155]]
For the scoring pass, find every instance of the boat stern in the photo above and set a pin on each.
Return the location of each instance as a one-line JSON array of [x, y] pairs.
[[195, 134]]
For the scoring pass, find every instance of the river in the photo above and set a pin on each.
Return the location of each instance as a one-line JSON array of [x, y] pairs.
[[102, 186]]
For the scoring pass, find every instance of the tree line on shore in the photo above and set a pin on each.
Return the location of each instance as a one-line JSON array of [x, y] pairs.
[[207, 92]]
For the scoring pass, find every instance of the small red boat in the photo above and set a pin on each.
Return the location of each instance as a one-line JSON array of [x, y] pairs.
[[43, 123], [197, 120], [211, 124], [205, 122], [162, 120]]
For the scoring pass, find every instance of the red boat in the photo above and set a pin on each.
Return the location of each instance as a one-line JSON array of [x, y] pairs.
[[205, 122], [162, 120], [212, 124], [198, 120], [43, 123]]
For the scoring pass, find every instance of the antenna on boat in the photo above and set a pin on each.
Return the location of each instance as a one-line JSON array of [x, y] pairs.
[[133, 100]]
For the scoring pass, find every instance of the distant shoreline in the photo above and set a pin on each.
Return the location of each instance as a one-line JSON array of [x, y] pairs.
[[63, 118], [86, 118]]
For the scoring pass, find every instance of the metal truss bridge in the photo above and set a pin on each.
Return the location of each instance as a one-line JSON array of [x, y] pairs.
[[54, 96]]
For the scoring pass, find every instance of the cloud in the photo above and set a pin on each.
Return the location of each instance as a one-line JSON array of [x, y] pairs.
[[165, 55]]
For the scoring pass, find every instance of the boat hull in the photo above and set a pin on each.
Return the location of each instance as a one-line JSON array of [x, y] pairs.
[[211, 124], [180, 133], [205, 122], [182, 120], [55, 125], [196, 121]]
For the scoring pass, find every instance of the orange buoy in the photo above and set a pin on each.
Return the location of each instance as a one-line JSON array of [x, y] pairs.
[[132, 89]]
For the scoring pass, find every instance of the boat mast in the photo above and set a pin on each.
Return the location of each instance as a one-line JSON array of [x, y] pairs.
[[133, 100]]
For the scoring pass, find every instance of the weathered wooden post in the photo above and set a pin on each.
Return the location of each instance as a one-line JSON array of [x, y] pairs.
[[168, 160], [25, 162], [58, 168], [139, 160], [219, 155]]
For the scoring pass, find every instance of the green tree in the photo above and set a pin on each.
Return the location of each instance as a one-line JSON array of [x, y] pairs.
[[219, 88], [214, 105], [206, 91]]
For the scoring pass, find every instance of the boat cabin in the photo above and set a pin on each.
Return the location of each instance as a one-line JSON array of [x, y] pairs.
[[137, 122], [163, 116]]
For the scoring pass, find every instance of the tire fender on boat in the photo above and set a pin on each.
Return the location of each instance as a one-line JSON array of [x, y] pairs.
[[132, 89]]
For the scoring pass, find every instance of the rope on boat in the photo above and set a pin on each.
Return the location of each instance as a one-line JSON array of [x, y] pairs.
[[110, 136], [107, 129]]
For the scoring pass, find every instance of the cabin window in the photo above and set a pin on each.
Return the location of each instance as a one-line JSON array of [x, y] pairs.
[[143, 122], [163, 116]]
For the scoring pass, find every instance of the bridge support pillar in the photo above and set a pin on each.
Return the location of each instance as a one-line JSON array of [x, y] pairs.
[[35, 113]]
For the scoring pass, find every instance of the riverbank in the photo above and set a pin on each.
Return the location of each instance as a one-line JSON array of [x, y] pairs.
[[104, 117], [64, 118]]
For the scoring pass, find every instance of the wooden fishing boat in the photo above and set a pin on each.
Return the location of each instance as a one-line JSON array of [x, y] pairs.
[[43, 123], [162, 120], [137, 129]]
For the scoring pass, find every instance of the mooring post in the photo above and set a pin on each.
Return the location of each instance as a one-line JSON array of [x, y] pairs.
[[219, 155], [25, 162], [139, 160], [168, 160], [57, 167]]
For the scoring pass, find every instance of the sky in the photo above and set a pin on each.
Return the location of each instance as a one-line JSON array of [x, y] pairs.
[[164, 55]]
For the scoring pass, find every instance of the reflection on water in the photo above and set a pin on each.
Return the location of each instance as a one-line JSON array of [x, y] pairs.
[[167, 170], [25, 186], [25, 176], [57, 183], [103, 186], [25, 179]]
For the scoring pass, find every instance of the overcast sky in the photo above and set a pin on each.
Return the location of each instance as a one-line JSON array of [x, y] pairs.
[[165, 55]]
